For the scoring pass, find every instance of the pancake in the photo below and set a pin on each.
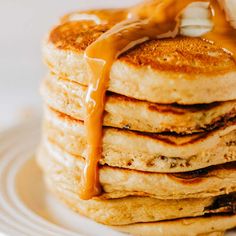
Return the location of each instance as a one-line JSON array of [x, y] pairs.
[[180, 70], [118, 183], [131, 210], [123, 112], [199, 226], [146, 152]]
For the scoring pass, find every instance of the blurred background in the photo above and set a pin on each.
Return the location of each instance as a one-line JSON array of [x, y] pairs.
[[23, 24]]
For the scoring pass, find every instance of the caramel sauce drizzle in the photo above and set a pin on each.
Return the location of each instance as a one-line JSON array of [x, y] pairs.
[[223, 34], [149, 20]]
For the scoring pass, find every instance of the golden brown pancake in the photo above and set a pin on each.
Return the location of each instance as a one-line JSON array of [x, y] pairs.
[[118, 182], [131, 210], [198, 226], [213, 223], [123, 112], [180, 70], [146, 152]]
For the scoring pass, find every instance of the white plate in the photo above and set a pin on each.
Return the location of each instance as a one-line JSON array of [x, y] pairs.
[[26, 208]]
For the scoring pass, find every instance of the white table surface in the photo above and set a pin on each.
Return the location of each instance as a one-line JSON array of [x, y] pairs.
[[23, 24]]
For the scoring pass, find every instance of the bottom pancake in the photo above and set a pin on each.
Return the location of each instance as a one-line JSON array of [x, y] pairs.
[[118, 182], [130, 210], [123, 214], [199, 226]]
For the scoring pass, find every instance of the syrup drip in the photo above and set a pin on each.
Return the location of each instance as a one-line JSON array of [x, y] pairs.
[[223, 34], [150, 20]]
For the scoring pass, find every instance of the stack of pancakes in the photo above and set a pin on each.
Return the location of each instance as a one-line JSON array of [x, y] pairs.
[[169, 146]]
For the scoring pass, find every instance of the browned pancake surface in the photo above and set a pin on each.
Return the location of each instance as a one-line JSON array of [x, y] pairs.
[[197, 176], [168, 138], [76, 36], [181, 54]]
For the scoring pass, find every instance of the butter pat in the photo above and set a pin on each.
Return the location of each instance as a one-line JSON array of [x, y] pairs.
[[230, 9], [196, 20]]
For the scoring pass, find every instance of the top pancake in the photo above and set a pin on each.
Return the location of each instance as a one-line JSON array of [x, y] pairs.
[[180, 70]]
